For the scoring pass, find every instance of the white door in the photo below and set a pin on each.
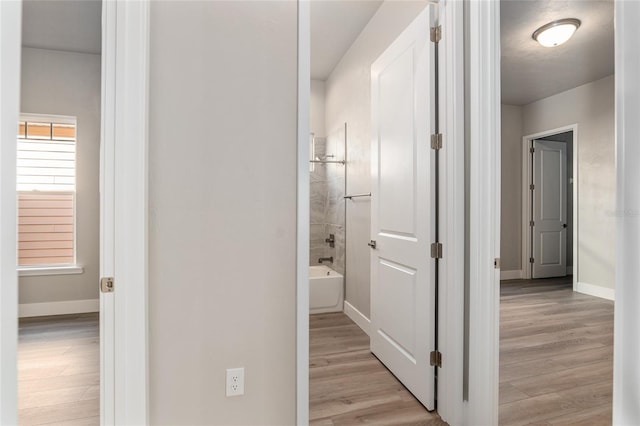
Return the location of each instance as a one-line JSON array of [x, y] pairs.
[[549, 209], [402, 274]]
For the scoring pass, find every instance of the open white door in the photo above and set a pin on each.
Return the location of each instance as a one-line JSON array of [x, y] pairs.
[[549, 242], [402, 273]]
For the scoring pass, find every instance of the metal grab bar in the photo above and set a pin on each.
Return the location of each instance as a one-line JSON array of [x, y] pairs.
[[356, 196]]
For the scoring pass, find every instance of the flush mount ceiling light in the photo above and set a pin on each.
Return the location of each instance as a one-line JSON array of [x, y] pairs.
[[557, 32]]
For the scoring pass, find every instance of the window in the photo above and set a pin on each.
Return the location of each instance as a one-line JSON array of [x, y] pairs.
[[46, 186]]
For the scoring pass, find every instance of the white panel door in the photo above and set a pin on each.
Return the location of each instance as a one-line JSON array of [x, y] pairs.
[[549, 209], [402, 306]]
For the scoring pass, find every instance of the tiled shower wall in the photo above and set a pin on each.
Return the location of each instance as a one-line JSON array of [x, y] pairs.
[[327, 202]]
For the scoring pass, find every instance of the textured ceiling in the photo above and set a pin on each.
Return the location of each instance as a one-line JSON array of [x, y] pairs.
[[335, 25], [68, 25], [531, 72]]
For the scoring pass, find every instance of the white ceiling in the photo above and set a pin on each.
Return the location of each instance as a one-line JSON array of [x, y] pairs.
[[335, 24], [69, 25], [531, 72]]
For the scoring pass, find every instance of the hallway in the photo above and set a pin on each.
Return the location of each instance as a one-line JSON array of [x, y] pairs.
[[556, 354]]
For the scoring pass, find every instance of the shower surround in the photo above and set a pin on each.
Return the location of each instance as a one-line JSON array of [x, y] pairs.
[[327, 201]]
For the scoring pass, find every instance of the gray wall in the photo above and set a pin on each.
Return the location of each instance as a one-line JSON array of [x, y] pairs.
[[222, 205], [591, 106], [64, 83], [348, 99], [317, 107], [511, 189], [511, 192]]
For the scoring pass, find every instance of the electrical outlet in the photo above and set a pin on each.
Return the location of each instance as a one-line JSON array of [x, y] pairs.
[[235, 381]]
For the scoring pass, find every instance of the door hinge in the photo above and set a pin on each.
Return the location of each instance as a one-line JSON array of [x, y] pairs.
[[436, 250], [436, 141], [532, 223], [435, 358], [532, 187], [496, 263], [531, 260], [106, 284], [532, 150], [436, 34]]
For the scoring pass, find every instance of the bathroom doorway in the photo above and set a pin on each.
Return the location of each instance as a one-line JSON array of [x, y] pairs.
[[355, 369]]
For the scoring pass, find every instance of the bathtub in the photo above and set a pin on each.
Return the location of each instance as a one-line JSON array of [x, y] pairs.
[[326, 290]]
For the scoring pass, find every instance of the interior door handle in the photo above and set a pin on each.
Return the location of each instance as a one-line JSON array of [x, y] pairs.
[[372, 244], [564, 225]]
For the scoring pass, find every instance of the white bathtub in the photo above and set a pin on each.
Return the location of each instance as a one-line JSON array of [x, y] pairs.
[[326, 290]]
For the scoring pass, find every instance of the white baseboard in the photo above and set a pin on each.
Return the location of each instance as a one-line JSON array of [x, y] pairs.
[[510, 275], [58, 308], [595, 290], [356, 316]]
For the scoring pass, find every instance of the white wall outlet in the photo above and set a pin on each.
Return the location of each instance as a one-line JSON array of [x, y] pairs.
[[235, 381]]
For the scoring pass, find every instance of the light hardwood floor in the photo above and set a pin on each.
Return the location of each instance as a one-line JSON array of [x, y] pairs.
[[556, 349], [349, 386], [59, 370], [556, 352]]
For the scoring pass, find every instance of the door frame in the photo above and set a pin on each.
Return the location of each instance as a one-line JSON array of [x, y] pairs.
[[626, 352], [303, 209], [10, 52], [124, 212], [451, 404], [123, 182], [526, 199], [482, 293]]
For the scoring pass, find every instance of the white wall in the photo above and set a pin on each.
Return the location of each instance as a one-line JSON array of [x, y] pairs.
[[64, 83], [348, 99], [511, 189], [222, 205], [317, 108], [591, 106]]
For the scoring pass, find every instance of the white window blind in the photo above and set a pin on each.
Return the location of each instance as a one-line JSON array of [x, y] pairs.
[[46, 184], [46, 157]]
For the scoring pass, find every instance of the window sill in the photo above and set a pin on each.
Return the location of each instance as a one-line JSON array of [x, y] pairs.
[[35, 271]]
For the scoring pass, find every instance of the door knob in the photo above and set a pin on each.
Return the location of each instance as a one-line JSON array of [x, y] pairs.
[[372, 244], [564, 225]]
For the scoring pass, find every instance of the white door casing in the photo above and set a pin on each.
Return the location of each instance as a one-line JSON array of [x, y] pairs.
[[10, 36], [123, 213], [402, 273], [123, 148], [549, 246]]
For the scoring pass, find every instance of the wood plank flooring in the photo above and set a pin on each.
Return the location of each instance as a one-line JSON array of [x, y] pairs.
[[556, 351], [556, 355], [59, 370], [349, 386]]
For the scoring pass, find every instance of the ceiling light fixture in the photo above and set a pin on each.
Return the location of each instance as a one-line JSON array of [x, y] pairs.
[[557, 32]]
